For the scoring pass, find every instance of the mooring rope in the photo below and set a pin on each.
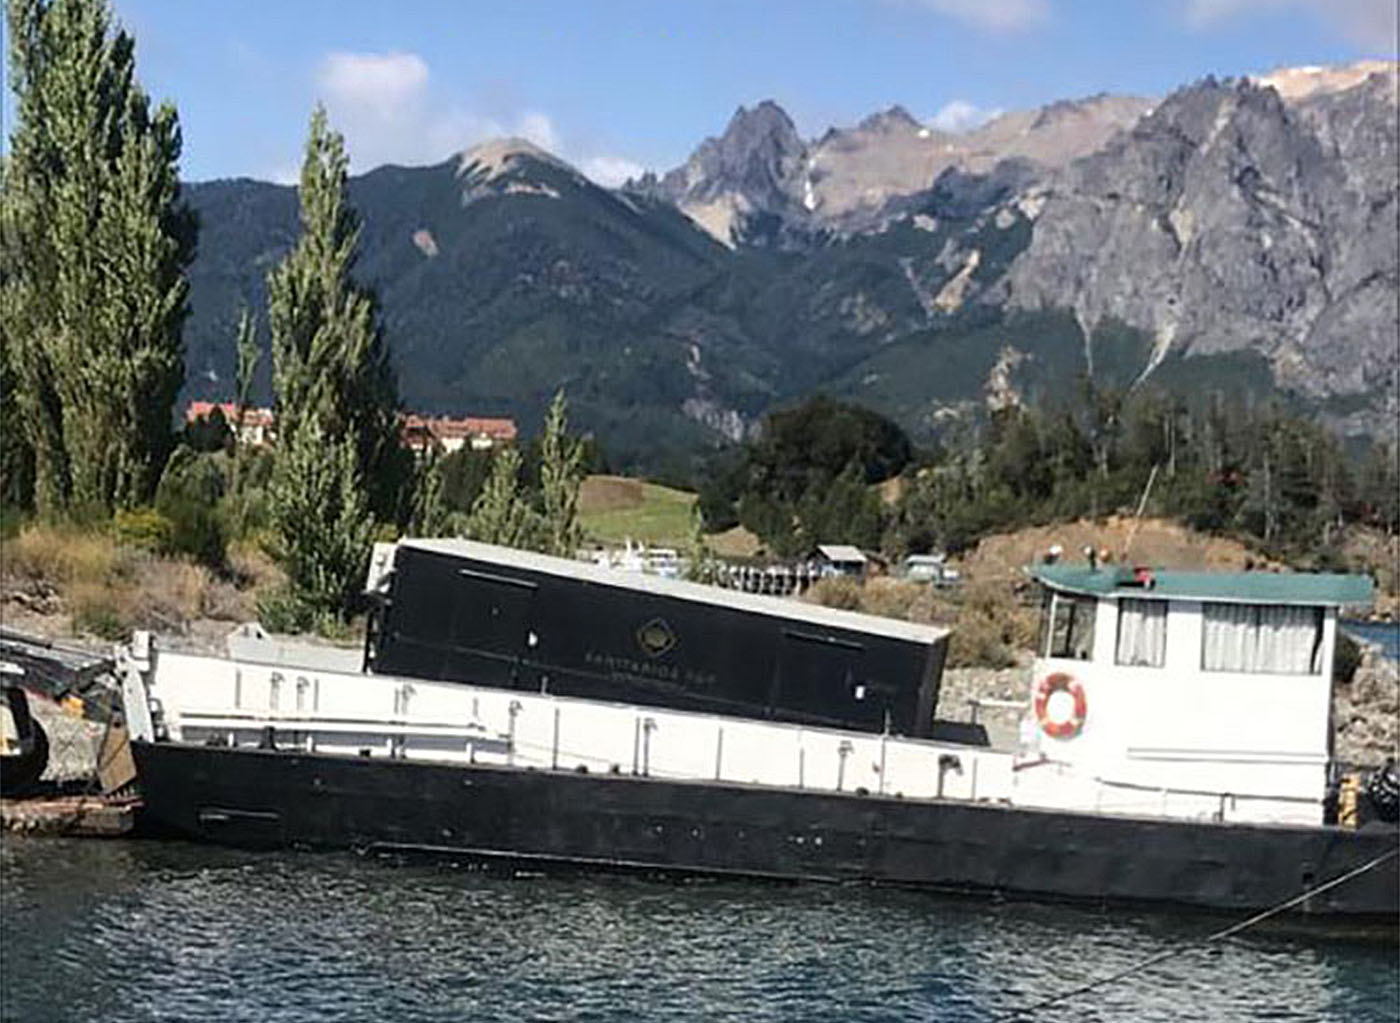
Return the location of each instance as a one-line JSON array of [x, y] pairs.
[[1182, 949]]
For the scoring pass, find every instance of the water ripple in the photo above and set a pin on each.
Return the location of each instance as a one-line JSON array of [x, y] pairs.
[[131, 931]]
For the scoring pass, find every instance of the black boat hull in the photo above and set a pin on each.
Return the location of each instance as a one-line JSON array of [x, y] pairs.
[[276, 798]]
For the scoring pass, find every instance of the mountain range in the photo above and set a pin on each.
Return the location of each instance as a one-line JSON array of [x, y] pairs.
[[1236, 235]]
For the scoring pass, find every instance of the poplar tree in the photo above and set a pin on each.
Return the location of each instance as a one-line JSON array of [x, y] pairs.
[[339, 469], [95, 243], [501, 514], [321, 528], [329, 360], [561, 473], [246, 364]]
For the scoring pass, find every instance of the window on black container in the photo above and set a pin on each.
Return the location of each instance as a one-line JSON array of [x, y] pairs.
[[1261, 638], [1142, 633], [1070, 627]]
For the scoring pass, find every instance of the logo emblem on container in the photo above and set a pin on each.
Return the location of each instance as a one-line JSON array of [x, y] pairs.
[[656, 637]]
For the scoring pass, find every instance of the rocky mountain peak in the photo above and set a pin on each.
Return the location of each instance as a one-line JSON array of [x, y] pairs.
[[752, 169], [514, 166], [755, 157], [1298, 83], [895, 119]]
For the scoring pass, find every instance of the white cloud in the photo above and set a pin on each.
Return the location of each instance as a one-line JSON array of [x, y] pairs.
[[993, 15], [536, 127], [383, 105], [610, 171], [960, 115], [382, 83], [1370, 24]]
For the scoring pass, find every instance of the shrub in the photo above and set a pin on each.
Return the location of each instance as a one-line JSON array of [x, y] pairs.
[[100, 610], [62, 554], [143, 528], [892, 598], [836, 591], [171, 593], [196, 531], [1346, 658], [188, 496], [991, 627], [11, 520]]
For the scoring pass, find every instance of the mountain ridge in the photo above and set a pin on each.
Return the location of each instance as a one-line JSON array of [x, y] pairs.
[[1225, 234]]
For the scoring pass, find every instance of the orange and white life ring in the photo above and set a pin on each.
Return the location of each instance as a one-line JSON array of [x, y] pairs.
[[1060, 722]]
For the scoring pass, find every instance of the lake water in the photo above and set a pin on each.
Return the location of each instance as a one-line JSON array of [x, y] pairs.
[[118, 931], [1385, 635]]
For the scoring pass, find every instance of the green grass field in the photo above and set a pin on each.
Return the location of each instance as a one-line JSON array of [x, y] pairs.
[[614, 509]]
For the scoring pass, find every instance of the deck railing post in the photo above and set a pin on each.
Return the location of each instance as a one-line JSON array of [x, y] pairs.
[[554, 753], [648, 726], [513, 710]]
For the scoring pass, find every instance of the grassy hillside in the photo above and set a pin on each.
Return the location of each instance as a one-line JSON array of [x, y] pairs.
[[614, 509]]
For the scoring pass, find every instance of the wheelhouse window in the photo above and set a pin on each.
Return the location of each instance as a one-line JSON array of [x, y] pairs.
[[1067, 626], [1262, 638], [1142, 633]]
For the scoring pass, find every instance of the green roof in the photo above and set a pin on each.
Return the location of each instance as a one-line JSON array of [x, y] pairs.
[[1242, 587]]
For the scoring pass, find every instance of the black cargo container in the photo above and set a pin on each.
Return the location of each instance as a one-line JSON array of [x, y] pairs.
[[472, 612]]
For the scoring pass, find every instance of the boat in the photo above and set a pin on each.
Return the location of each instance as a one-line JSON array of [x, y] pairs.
[[1175, 750]]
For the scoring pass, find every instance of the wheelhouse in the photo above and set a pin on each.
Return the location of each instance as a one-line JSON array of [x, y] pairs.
[[1195, 694]]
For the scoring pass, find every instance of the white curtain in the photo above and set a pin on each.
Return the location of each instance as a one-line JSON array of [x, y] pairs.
[[1261, 638], [1289, 640], [1142, 632]]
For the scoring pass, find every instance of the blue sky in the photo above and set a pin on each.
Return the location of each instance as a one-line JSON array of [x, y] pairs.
[[618, 85]]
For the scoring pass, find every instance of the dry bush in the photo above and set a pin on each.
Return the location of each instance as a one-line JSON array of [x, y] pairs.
[[170, 593], [252, 567], [992, 626], [100, 609], [109, 588], [893, 598], [837, 591], [62, 555]]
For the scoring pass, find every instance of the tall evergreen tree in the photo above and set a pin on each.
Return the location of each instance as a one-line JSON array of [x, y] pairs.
[[501, 513], [321, 527], [329, 360], [334, 389], [561, 474], [95, 243]]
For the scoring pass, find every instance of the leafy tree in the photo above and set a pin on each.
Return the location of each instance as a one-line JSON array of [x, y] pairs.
[[502, 513], [846, 511], [95, 243], [245, 346], [816, 441], [561, 473], [187, 497], [209, 433], [464, 473], [429, 514], [16, 453], [339, 464], [805, 480], [329, 359], [321, 528]]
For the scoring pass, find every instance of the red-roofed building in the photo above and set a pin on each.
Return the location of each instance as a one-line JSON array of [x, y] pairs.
[[445, 434], [258, 426]]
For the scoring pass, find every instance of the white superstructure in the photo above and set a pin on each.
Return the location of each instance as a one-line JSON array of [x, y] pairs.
[[1202, 695]]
